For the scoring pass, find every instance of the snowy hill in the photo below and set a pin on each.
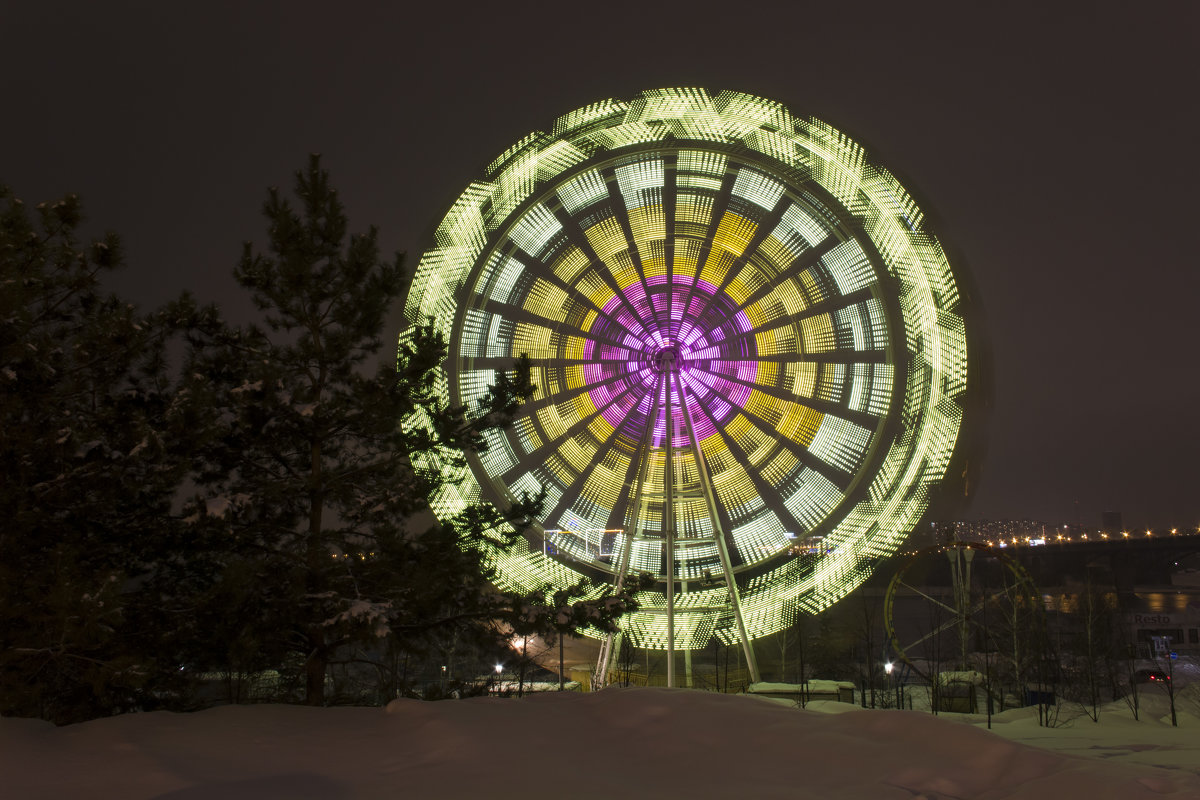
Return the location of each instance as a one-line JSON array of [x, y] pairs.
[[625, 743]]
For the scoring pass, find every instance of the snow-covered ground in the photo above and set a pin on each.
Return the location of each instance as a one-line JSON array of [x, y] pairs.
[[626, 743]]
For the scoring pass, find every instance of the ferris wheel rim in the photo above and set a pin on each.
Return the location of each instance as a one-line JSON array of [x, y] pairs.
[[856, 490], [1023, 587], [890, 220]]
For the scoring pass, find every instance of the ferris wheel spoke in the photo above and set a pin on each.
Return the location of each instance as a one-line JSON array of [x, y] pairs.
[[505, 363], [720, 204], [565, 501], [809, 258], [769, 493], [791, 324], [637, 257], [827, 306], [837, 476], [670, 197], [764, 224], [549, 445], [560, 327], [837, 303], [949, 625], [637, 474], [861, 418], [933, 600], [578, 298], [847, 357], [631, 380], [599, 336], [577, 236]]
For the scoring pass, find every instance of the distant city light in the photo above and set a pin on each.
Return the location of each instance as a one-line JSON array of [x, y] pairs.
[[1021, 533]]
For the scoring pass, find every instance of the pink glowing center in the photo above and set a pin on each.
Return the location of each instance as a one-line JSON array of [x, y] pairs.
[[686, 326]]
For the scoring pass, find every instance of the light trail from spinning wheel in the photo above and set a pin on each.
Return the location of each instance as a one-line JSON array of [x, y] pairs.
[[745, 342]]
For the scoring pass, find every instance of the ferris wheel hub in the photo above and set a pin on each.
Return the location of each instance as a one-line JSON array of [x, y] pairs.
[[666, 358]]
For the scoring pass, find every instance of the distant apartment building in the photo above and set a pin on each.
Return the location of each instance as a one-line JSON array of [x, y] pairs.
[[990, 530]]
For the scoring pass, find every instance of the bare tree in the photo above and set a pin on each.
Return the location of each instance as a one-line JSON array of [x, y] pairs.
[[1165, 675], [1092, 649], [802, 623], [1124, 667], [869, 637]]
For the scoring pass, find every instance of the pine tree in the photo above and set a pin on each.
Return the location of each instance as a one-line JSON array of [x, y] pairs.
[[90, 459], [311, 488]]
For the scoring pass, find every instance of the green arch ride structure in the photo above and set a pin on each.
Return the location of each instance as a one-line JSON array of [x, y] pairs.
[[751, 358]]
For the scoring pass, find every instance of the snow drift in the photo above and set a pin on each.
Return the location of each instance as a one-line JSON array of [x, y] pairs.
[[616, 743]]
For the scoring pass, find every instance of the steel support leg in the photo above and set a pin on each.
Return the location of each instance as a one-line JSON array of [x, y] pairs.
[[719, 534], [669, 519], [611, 647]]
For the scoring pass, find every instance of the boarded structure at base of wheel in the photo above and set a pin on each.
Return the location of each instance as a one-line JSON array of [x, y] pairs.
[[704, 677], [956, 691], [840, 691]]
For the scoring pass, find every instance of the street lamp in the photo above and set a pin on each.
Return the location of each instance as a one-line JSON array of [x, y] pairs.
[[888, 666]]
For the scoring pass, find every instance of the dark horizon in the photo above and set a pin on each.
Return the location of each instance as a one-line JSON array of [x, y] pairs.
[[1052, 147]]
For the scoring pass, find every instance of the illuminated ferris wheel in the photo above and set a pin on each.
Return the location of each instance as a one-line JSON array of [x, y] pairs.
[[747, 346]]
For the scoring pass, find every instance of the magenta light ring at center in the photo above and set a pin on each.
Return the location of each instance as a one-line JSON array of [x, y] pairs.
[[715, 398]]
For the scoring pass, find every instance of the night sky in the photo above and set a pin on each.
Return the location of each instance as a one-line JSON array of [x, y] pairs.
[[1053, 144]]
